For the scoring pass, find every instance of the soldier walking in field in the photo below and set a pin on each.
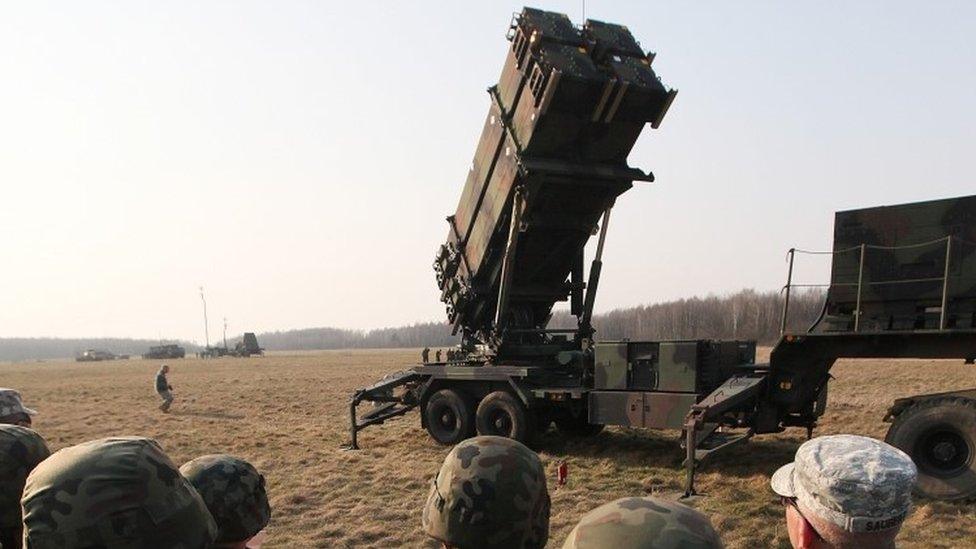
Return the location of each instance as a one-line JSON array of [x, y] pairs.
[[438, 355], [164, 389], [425, 355]]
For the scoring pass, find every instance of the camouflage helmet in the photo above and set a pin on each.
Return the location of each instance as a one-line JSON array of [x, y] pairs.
[[233, 491], [114, 492], [11, 405], [490, 492], [645, 523], [21, 449]]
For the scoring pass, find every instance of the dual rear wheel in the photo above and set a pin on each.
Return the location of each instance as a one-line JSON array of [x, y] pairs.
[[451, 417]]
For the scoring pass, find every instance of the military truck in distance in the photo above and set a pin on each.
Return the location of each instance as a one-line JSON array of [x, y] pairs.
[[95, 355], [165, 352], [549, 166], [247, 346], [213, 352]]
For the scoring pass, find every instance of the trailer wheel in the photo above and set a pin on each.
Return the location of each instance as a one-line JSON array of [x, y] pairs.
[[448, 417], [577, 425], [940, 436], [502, 414]]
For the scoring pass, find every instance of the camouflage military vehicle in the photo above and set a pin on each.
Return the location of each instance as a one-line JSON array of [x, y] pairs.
[[550, 164], [165, 352], [95, 355], [213, 352], [247, 346], [903, 285]]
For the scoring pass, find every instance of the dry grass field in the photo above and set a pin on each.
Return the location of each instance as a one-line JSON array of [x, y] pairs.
[[288, 415]]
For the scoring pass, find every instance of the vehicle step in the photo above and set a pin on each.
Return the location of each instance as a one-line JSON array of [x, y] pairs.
[[717, 441]]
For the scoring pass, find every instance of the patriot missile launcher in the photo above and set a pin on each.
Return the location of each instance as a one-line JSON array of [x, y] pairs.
[[552, 159], [550, 164]]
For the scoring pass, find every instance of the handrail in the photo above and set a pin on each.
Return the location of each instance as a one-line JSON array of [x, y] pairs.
[[831, 252], [879, 247], [863, 248]]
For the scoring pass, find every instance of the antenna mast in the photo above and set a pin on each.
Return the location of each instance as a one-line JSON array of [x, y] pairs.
[[225, 332], [206, 327]]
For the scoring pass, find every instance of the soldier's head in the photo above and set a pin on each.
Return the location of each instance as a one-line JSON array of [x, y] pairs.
[[645, 523], [845, 491], [12, 410], [235, 495], [164, 368], [21, 449], [489, 493], [113, 492]]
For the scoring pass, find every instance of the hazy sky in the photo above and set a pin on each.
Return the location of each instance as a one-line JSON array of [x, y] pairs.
[[298, 158]]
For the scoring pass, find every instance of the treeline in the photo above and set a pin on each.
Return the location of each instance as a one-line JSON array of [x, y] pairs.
[[16, 349], [747, 314], [432, 334]]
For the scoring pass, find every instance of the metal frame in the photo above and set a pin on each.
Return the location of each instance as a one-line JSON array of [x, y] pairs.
[[393, 407], [800, 364], [944, 279], [804, 362]]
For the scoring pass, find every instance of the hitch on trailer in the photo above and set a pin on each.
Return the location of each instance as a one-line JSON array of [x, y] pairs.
[[390, 405], [701, 428]]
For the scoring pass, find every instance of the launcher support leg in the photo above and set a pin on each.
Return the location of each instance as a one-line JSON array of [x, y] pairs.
[[353, 431], [691, 439], [690, 480]]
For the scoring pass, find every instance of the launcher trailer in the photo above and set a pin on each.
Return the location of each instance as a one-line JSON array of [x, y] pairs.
[[548, 168]]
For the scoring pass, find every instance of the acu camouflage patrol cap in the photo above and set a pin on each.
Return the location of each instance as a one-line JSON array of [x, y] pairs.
[[11, 404], [113, 493], [489, 493], [858, 483], [21, 449], [643, 523], [233, 491]]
